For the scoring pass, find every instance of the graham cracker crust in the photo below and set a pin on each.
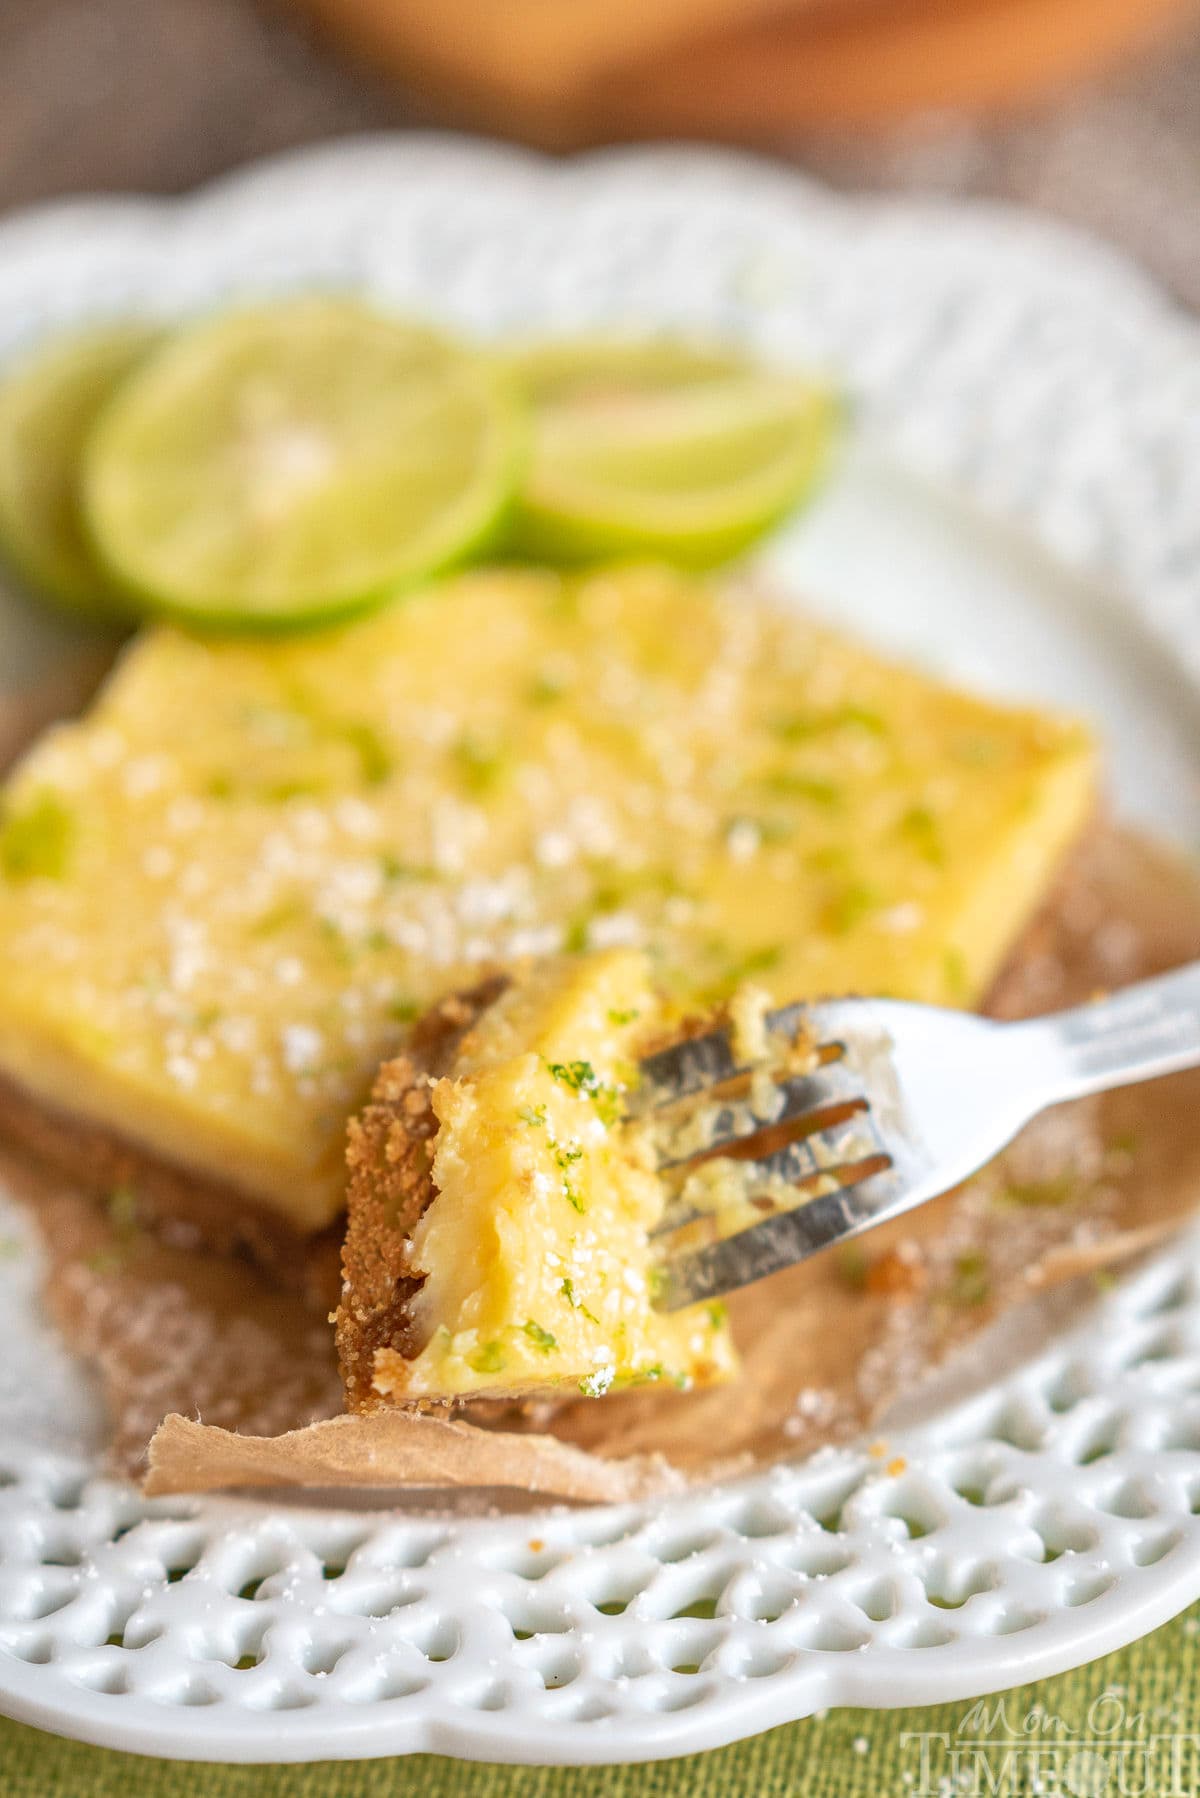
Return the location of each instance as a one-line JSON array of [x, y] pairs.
[[181, 1206]]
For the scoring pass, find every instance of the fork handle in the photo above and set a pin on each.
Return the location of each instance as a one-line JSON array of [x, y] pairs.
[[1136, 1034]]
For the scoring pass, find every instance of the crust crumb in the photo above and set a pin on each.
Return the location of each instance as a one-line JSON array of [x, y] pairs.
[[390, 1167]]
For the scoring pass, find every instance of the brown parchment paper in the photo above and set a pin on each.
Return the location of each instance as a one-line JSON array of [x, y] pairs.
[[393, 1449], [170, 1328]]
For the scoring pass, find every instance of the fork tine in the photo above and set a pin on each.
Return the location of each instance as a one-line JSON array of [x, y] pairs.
[[833, 1152], [833, 1084], [698, 1062], [844, 1144], [779, 1241]]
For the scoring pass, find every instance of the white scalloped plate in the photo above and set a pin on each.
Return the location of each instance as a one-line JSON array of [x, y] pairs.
[[1047, 1517]]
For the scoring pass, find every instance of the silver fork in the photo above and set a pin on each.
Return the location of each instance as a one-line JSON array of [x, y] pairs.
[[899, 1103]]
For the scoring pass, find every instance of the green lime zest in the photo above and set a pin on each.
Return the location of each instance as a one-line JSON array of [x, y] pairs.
[[395, 869], [920, 828], [565, 1156], [375, 760], [545, 689], [956, 976], [577, 936], [853, 1265], [122, 1210], [480, 763], [1041, 1194], [803, 727], [970, 1284], [595, 1385], [540, 1338], [581, 1077], [576, 1303], [37, 838], [850, 906], [489, 1358], [787, 783]]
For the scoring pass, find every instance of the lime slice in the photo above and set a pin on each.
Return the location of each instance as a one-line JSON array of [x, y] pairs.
[[663, 448], [47, 406], [287, 465]]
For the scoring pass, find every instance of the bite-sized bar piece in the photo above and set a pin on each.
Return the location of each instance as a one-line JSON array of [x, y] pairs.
[[225, 893], [500, 1214]]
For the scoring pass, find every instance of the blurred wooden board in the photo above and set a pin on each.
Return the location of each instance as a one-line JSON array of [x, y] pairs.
[[866, 66], [534, 52], [564, 74]]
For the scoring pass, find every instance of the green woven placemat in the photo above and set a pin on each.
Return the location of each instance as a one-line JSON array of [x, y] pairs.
[[1127, 1726]]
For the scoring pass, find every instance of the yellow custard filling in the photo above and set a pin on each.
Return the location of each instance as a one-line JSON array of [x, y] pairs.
[[535, 1249], [226, 891]]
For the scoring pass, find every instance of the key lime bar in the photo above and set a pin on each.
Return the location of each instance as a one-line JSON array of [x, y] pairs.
[[227, 891], [509, 1205]]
